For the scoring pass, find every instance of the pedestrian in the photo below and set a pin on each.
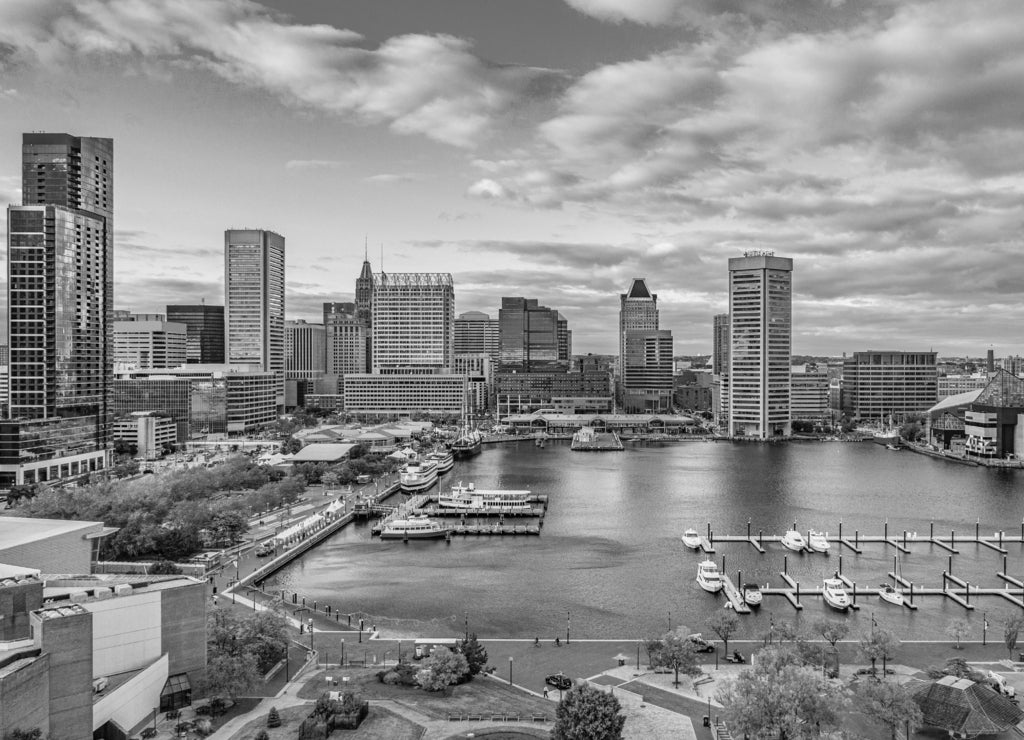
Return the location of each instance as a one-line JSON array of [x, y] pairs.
[[545, 692]]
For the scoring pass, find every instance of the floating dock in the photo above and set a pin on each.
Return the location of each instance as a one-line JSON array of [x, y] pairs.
[[735, 598], [588, 440]]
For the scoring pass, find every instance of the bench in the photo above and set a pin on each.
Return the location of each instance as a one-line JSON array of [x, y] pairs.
[[454, 717], [511, 718], [475, 717], [540, 718]]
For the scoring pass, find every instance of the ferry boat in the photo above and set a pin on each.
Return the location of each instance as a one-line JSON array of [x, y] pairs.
[[444, 458], [414, 528], [708, 577], [793, 540], [691, 539], [468, 498], [834, 594], [468, 443], [888, 593], [419, 476], [751, 593], [818, 541]]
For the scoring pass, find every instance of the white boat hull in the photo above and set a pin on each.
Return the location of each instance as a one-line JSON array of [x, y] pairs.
[[416, 484], [893, 597], [753, 599], [794, 546], [691, 541], [839, 606], [711, 588]]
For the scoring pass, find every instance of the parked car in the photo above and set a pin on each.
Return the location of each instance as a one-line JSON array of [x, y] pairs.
[[264, 550], [700, 644], [559, 681]]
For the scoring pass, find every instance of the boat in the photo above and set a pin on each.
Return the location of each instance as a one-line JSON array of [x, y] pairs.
[[444, 458], [888, 593], [468, 498], [418, 476], [691, 539], [818, 541], [793, 540], [834, 594], [892, 447], [417, 527], [467, 444], [708, 577], [751, 594]]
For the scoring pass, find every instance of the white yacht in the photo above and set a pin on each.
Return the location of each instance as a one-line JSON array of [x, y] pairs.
[[818, 541], [419, 476], [793, 540], [890, 594], [691, 539], [751, 593], [444, 458], [834, 594], [413, 528], [468, 498], [708, 577]]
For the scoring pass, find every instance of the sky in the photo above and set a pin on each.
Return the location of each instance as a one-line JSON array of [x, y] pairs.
[[556, 149]]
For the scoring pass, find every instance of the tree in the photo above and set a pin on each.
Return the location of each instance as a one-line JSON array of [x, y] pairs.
[[958, 629], [274, 718], [676, 652], [878, 643], [164, 568], [586, 713], [724, 624], [777, 695], [17, 734], [264, 635], [330, 479], [290, 446], [1011, 630], [442, 669], [888, 703], [475, 654], [231, 676], [832, 631]]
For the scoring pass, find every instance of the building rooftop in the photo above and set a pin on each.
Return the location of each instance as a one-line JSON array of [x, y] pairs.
[[16, 531], [958, 399], [321, 452]]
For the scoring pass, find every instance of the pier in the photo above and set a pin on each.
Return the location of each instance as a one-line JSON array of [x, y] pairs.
[[735, 597], [588, 440]]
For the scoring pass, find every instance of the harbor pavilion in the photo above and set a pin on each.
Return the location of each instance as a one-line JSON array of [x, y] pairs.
[[552, 423]]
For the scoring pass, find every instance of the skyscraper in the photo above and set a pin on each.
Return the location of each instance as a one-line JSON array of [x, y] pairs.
[[533, 338], [254, 299], [477, 333], [305, 351], [149, 344], [720, 369], [413, 322], [345, 338], [645, 353], [760, 344], [60, 300], [364, 308], [204, 341]]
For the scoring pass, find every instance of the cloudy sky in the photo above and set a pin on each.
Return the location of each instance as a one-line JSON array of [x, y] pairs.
[[556, 149]]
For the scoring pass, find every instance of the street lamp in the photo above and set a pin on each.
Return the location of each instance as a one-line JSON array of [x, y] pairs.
[[560, 682], [510, 670], [984, 628], [311, 634]]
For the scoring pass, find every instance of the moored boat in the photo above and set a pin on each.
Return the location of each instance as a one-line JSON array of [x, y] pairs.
[[834, 594], [793, 540], [444, 458], [818, 541], [418, 476], [751, 594], [468, 498], [888, 593], [691, 539], [467, 444], [413, 528], [708, 576]]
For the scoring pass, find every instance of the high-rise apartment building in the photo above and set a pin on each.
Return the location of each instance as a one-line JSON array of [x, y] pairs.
[[60, 300], [254, 303], [879, 384], [533, 338], [477, 333], [645, 353], [760, 345], [204, 340], [346, 339], [413, 322], [305, 350], [720, 345], [149, 344]]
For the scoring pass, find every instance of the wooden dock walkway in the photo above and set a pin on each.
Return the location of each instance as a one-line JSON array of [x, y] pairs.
[[496, 529], [735, 598]]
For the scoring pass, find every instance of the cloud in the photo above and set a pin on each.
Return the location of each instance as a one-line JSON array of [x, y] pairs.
[[314, 164], [387, 178], [429, 85]]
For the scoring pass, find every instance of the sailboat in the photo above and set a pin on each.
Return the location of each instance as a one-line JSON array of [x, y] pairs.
[[891, 594]]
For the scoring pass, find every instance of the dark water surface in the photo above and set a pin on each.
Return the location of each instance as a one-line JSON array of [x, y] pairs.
[[610, 554]]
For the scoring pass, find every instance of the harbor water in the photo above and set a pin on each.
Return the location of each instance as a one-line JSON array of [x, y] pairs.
[[609, 557]]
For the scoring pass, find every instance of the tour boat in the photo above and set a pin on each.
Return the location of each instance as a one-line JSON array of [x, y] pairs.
[[691, 539], [818, 541], [888, 593], [708, 577], [751, 593], [468, 443], [444, 458], [413, 528], [468, 498], [793, 540], [419, 476], [834, 594]]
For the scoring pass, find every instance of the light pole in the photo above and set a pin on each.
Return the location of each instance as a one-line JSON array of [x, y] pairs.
[[560, 682], [669, 620], [510, 669], [567, 615], [342, 653], [311, 634], [984, 628]]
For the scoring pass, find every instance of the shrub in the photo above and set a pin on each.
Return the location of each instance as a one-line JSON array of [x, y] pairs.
[[217, 706], [203, 710], [391, 678], [262, 735], [203, 726], [313, 729], [273, 719]]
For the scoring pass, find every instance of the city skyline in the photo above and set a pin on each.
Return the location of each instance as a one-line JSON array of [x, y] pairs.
[[876, 145]]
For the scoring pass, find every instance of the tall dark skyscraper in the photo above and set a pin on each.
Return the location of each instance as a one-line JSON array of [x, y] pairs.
[[533, 338], [364, 308], [204, 343], [60, 303]]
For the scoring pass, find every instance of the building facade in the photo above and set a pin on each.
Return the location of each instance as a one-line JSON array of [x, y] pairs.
[[305, 349], [760, 345], [204, 339], [532, 338], [477, 333], [150, 431], [400, 395], [479, 380], [150, 344], [523, 393], [364, 308], [254, 305], [879, 384], [346, 340], [809, 398], [413, 323]]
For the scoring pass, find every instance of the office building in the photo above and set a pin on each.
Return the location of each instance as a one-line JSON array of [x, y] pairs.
[[720, 344], [397, 395], [364, 308], [951, 385], [254, 305], [152, 433], [532, 338], [149, 344], [305, 350], [412, 323], [60, 300], [760, 345], [645, 353], [479, 380], [809, 386], [522, 393], [477, 333], [883, 384], [204, 339], [345, 338]]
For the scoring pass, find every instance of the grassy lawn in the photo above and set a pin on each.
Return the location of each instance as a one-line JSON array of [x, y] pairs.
[[482, 695], [379, 724]]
